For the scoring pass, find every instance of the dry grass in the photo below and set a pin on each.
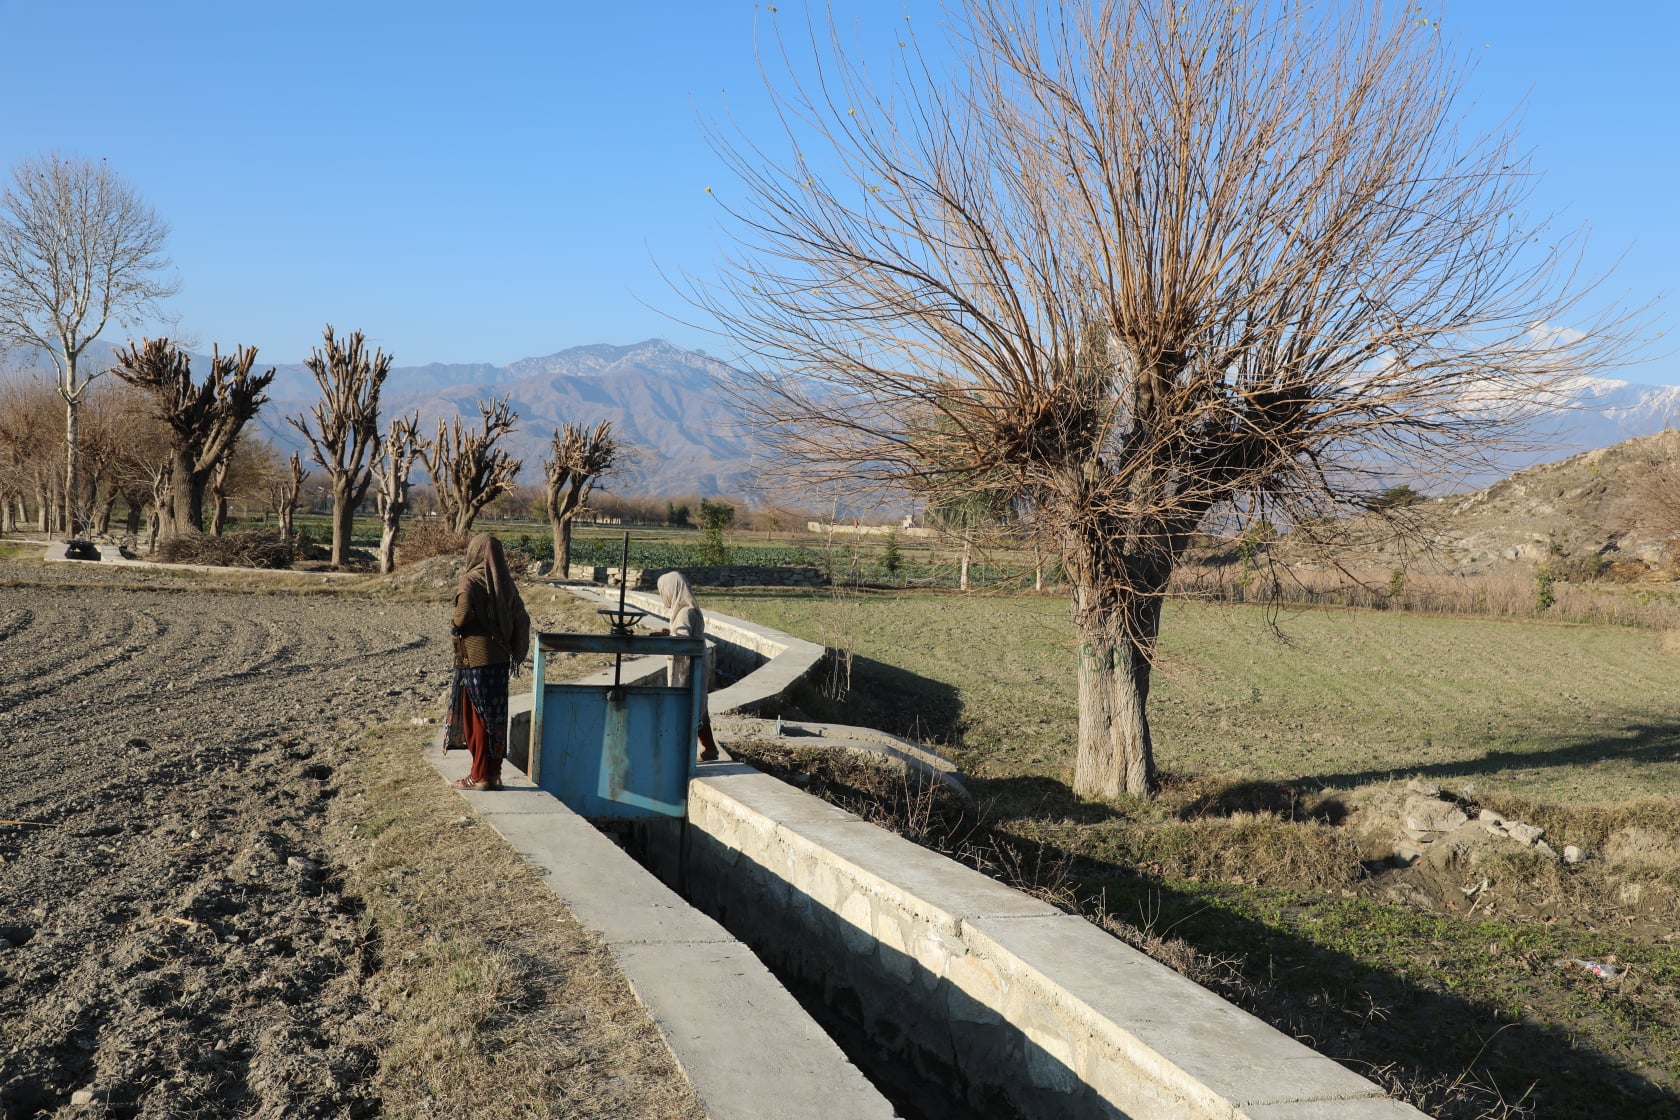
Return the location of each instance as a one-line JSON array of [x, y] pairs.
[[1619, 595], [498, 1003]]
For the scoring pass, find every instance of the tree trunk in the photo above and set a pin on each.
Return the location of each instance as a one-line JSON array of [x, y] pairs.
[[287, 509], [962, 578], [344, 516], [131, 526], [72, 472], [8, 516], [395, 505], [563, 548], [102, 522], [187, 488], [388, 547], [1115, 753]]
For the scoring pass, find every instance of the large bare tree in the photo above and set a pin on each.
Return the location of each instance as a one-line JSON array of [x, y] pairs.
[[345, 437], [1139, 260], [575, 462], [206, 417], [467, 469], [79, 250], [391, 467]]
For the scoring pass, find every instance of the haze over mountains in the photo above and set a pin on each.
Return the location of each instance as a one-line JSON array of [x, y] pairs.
[[667, 402], [661, 399]]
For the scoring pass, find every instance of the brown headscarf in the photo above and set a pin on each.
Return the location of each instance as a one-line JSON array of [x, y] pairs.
[[504, 609]]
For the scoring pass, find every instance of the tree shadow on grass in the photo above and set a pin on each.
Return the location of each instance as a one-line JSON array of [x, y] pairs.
[[1642, 743], [870, 693], [1462, 1056]]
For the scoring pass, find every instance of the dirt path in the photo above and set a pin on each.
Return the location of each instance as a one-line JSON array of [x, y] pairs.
[[177, 938]]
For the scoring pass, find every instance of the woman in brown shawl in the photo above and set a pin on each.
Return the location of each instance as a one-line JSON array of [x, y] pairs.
[[491, 632]]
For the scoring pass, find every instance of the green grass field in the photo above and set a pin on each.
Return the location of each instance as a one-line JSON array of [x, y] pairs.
[[1326, 699]]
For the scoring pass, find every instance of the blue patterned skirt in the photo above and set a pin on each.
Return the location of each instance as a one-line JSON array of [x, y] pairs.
[[486, 688]]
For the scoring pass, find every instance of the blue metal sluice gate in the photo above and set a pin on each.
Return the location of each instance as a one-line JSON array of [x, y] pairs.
[[616, 751]]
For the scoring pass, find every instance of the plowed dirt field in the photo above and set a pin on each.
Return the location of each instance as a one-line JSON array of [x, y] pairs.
[[174, 939]]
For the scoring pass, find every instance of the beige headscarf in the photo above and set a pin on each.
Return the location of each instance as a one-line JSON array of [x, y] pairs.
[[675, 593], [487, 567]]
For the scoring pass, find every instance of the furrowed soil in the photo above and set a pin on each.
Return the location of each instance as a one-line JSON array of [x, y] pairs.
[[219, 896]]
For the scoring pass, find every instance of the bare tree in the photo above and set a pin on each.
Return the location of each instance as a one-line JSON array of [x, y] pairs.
[[142, 471], [284, 490], [205, 417], [27, 449], [346, 436], [1138, 259], [576, 460], [391, 469], [468, 470], [245, 473], [78, 251], [1653, 506]]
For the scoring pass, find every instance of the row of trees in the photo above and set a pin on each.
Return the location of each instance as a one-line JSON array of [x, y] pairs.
[[159, 437], [80, 251]]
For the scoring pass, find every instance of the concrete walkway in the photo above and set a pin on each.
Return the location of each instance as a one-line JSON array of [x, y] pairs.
[[748, 1048]]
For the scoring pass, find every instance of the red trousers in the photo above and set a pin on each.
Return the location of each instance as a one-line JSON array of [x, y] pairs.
[[486, 763]]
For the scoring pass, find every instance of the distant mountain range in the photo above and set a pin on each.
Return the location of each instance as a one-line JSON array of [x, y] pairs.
[[667, 402], [662, 400]]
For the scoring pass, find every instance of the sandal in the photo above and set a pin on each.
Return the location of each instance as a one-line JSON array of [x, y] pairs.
[[468, 783], [710, 754]]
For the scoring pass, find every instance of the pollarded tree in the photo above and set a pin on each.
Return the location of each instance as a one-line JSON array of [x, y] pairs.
[[468, 470], [1141, 258], [391, 468], [79, 250], [205, 417], [345, 437], [285, 488], [576, 460]]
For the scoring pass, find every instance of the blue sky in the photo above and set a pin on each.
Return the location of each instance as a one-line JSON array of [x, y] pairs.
[[490, 181]]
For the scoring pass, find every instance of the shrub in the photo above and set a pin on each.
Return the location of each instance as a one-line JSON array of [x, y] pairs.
[[1580, 569], [715, 517], [891, 558]]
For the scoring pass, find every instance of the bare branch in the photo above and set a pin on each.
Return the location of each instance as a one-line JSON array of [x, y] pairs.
[[1137, 259], [467, 469]]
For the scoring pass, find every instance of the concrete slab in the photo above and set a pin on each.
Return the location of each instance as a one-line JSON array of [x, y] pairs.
[[747, 1046], [772, 798], [1381, 1109], [920, 880], [608, 892], [1164, 1020]]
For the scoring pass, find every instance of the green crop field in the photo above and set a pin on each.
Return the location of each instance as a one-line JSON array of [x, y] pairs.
[[1460, 1001]]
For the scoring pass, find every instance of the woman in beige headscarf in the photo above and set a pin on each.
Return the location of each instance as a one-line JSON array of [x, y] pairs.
[[686, 622], [492, 631]]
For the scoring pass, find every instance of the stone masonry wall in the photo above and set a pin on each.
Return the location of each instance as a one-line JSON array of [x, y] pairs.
[[644, 579]]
